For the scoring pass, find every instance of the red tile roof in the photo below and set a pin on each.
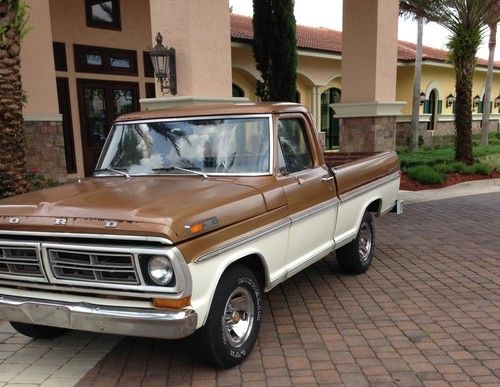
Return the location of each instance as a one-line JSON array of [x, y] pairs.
[[327, 40]]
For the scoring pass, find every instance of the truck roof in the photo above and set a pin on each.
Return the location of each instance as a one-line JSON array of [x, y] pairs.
[[216, 110]]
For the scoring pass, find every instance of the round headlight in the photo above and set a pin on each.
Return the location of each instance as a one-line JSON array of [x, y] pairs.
[[160, 270]]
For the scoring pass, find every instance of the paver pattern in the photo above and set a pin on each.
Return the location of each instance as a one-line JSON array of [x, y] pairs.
[[50, 363], [426, 313]]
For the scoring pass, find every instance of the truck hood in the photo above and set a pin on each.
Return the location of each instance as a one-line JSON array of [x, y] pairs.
[[154, 206]]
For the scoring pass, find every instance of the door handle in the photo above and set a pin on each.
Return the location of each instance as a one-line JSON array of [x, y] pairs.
[[330, 178]]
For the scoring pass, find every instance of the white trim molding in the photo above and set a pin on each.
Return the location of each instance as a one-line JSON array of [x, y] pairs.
[[367, 109], [407, 118], [43, 117], [445, 118], [188, 100]]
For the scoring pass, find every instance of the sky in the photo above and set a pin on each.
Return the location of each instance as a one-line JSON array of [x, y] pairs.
[[328, 13]]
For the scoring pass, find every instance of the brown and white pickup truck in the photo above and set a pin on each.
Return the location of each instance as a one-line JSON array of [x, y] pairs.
[[191, 215]]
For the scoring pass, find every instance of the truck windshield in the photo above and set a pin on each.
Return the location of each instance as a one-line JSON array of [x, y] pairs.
[[226, 146]]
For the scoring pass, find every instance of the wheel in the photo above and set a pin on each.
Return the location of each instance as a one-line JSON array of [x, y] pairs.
[[233, 323], [356, 257], [37, 331]]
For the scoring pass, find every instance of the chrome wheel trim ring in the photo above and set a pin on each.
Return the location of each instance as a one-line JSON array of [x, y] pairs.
[[238, 317], [365, 242]]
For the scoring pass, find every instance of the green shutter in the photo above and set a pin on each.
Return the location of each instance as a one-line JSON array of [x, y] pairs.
[[480, 107], [440, 106], [427, 107]]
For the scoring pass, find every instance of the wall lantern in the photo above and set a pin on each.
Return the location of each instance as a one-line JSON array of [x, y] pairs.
[[497, 101], [163, 59], [450, 100], [475, 101], [422, 98]]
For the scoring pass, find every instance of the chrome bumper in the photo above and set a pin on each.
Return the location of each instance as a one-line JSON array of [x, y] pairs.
[[155, 323]]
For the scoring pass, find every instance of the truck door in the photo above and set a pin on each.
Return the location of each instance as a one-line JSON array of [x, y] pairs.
[[309, 191]]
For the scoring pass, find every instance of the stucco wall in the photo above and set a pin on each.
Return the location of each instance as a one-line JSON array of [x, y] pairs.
[[69, 26], [37, 64], [200, 31], [441, 77]]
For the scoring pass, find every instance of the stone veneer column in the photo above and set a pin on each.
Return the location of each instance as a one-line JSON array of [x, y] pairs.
[[369, 62], [45, 148], [42, 121]]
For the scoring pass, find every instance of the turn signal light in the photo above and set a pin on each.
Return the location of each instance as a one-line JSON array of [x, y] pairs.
[[198, 227], [170, 303]]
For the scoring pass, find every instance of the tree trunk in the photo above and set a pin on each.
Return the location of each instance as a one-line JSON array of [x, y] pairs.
[[12, 154], [415, 108], [464, 70], [485, 128]]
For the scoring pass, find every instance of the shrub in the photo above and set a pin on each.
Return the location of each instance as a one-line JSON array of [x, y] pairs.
[[477, 169], [37, 182], [453, 167], [492, 161], [426, 175], [482, 169]]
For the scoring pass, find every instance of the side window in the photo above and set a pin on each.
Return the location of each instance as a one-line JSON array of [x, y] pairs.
[[295, 149]]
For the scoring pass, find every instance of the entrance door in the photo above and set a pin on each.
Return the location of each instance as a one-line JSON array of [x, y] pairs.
[[100, 103]]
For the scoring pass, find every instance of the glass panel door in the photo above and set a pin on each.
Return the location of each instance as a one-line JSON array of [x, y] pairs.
[[100, 103]]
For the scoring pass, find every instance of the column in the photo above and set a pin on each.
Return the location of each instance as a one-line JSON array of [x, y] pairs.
[[369, 64], [200, 33], [42, 121], [318, 107], [314, 111]]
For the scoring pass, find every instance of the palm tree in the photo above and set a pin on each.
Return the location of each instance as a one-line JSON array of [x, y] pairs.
[[492, 24], [466, 21], [422, 11], [12, 156]]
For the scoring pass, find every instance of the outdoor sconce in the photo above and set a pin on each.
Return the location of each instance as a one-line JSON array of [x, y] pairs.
[[422, 98], [163, 59], [450, 100], [475, 102]]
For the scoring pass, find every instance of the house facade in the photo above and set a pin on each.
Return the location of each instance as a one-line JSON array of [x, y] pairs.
[[85, 62], [319, 82]]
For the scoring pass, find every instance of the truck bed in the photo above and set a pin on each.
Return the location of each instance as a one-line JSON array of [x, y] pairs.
[[353, 170]]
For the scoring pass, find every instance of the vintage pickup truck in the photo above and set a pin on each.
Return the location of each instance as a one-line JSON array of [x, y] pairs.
[[191, 215]]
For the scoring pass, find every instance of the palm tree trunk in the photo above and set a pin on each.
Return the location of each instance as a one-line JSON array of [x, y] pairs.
[[415, 108], [485, 128], [464, 70], [12, 154]]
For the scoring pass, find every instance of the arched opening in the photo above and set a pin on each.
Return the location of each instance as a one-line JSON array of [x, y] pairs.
[[238, 91], [330, 124], [434, 107]]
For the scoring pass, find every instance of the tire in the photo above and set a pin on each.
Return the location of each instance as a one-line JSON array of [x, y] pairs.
[[37, 331], [356, 257], [218, 342]]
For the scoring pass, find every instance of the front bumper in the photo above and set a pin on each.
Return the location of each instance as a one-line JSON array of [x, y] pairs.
[[155, 323]]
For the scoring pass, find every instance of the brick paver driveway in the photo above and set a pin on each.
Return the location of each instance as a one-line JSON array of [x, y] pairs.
[[426, 313]]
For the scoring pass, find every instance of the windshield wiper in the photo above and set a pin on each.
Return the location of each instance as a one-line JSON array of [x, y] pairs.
[[108, 169], [180, 169]]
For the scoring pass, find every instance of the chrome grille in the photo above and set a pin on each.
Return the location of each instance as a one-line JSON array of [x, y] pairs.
[[20, 261], [93, 266]]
